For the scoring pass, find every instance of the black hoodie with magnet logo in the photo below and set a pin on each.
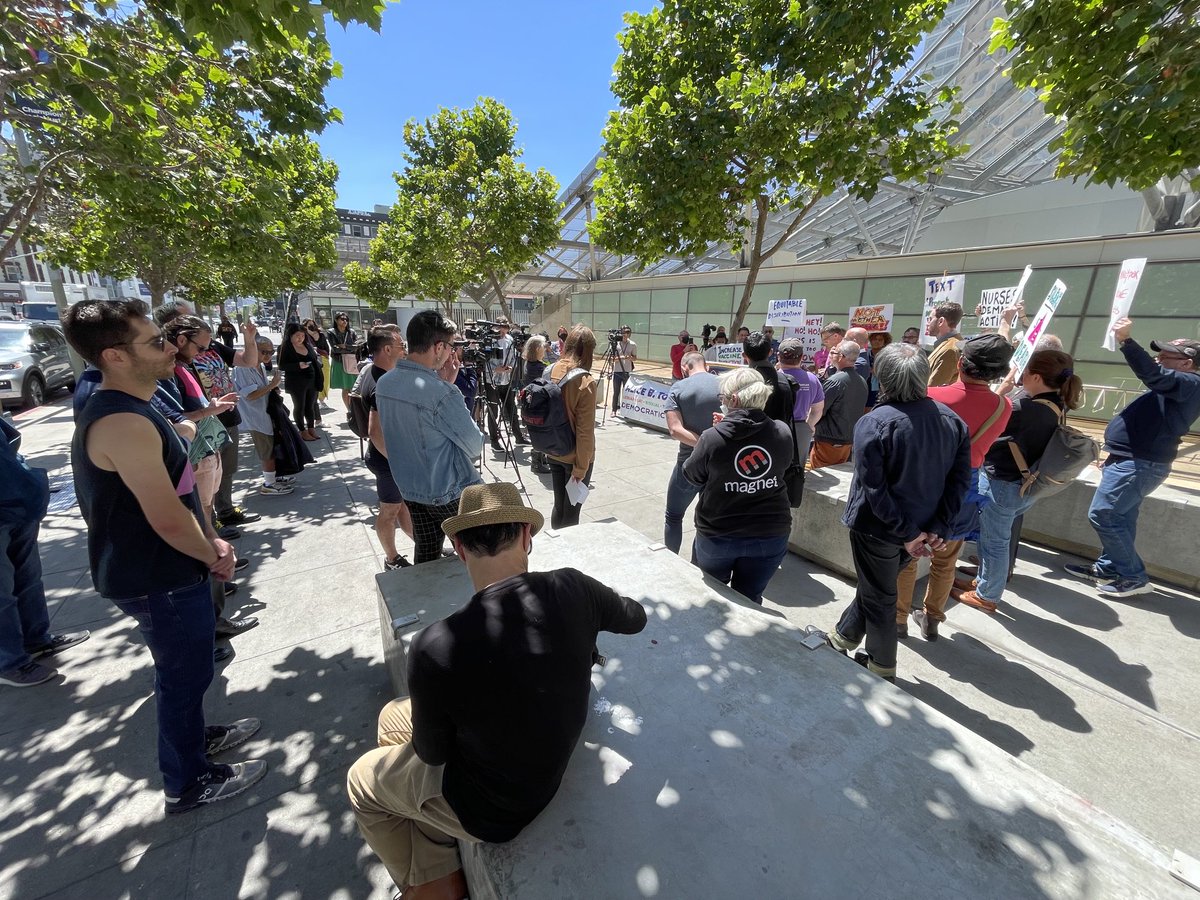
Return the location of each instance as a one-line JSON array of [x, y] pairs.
[[739, 463]]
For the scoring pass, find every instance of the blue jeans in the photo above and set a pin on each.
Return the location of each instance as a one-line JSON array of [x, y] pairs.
[[24, 621], [995, 533], [178, 628], [746, 564], [680, 494], [1114, 513]]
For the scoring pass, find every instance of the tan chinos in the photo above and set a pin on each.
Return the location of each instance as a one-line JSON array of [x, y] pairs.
[[398, 802]]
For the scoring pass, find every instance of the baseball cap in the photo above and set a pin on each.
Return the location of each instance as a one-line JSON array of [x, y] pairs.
[[986, 356], [1190, 349], [791, 348]]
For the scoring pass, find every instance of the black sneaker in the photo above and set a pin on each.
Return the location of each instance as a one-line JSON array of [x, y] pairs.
[[219, 783], [240, 564], [219, 738], [230, 588], [31, 674], [1090, 573], [60, 642], [396, 562], [239, 516], [228, 532]]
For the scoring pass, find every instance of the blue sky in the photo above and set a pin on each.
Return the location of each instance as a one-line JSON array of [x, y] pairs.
[[549, 62]]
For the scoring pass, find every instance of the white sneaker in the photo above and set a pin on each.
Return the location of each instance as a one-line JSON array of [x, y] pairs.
[[285, 479], [275, 489]]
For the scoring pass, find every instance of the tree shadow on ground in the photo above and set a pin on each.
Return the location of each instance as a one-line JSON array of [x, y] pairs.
[[722, 757]]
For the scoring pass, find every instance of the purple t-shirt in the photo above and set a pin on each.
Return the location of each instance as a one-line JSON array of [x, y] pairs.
[[810, 391]]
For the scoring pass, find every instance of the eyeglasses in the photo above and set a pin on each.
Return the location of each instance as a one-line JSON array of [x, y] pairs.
[[158, 342]]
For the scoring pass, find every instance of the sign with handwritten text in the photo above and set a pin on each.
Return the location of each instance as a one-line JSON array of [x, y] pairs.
[[1127, 285], [940, 289], [993, 302], [782, 313], [872, 318], [1037, 328]]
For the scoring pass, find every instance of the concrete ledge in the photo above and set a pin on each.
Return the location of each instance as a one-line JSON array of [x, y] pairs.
[[1167, 526], [722, 758]]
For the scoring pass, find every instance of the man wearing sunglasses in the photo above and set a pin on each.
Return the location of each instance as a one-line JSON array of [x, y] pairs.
[[151, 550]]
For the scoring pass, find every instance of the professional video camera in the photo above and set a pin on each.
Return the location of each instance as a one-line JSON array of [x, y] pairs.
[[706, 334], [614, 337]]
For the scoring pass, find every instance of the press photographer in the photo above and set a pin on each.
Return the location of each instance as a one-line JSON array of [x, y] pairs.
[[493, 347]]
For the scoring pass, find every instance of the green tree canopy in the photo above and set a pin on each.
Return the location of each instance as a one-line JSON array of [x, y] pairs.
[[467, 213], [208, 198], [135, 67], [735, 109], [1125, 77]]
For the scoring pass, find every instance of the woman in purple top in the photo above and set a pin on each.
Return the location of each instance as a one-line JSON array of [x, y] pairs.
[[810, 398]]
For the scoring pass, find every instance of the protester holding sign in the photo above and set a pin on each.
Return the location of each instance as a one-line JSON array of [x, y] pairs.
[[579, 395], [942, 325], [1049, 388], [1141, 440]]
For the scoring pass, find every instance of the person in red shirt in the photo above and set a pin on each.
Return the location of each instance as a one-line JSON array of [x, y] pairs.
[[685, 345], [984, 359]]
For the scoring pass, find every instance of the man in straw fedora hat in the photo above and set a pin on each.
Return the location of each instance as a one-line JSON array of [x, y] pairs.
[[500, 686]]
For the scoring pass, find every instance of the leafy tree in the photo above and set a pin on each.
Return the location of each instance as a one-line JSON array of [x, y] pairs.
[[208, 199], [735, 109], [468, 213], [112, 62], [1124, 76]]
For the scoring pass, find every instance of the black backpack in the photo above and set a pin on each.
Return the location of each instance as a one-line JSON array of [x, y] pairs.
[[358, 417], [544, 412]]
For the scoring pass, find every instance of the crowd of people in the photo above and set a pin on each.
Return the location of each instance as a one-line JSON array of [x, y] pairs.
[[944, 445]]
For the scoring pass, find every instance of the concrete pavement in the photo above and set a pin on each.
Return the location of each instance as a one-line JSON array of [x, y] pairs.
[[1098, 695]]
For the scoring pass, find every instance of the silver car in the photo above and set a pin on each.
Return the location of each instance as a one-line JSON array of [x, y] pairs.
[[33, 362]]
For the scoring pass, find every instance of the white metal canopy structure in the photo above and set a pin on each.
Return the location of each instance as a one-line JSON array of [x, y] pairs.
[[1007, 131]]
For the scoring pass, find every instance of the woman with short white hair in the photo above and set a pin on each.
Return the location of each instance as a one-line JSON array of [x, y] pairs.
[[743, 517]]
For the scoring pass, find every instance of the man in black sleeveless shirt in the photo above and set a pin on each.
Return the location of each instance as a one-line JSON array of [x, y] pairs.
[[150, 550], [499, 699]]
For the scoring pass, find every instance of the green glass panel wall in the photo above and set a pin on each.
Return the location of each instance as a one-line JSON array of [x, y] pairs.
[[581, 304], [671, 300], [635, 310], [907, 296], [831, 299], [1166, 289], [606, 302], [1077, 280]]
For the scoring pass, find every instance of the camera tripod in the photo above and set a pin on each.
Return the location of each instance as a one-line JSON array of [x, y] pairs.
[[608, 367], [485, 407]]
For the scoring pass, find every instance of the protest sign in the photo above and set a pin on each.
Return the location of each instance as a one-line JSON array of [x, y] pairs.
[[809, 335], [782, 313], [940, 289], [872, 318], [1127, 285], [730, 354], [1037, 328], [644, 400], [993, 302]]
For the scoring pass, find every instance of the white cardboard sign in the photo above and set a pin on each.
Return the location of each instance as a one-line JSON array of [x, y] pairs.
[[1037, 328], [786, 313], [940, 289], [809, 335], [993, 302], [1127, 285], [730, 354]]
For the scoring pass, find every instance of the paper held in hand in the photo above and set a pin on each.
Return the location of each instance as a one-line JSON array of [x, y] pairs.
[[1127, 285], [577, 491]]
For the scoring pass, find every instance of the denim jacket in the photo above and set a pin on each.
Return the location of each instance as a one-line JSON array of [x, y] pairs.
[[431, 439]]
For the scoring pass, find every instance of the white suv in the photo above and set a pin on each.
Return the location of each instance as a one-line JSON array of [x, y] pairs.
[[33, 362]]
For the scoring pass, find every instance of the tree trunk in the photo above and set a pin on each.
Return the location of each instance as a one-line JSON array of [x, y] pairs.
[[755, 263], [498, 288]]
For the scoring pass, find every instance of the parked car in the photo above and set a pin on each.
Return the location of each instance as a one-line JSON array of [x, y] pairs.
[[33, 362]]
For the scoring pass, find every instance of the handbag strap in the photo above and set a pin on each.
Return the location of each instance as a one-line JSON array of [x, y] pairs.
[[991, 420]]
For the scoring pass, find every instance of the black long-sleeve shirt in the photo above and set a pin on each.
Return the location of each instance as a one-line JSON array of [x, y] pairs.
[[500, 692], [912, 466]]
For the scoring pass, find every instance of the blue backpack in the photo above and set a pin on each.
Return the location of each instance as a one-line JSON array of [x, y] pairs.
[[544, 413]]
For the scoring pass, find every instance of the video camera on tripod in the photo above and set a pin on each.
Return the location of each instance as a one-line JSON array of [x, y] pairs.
[[480, 341]]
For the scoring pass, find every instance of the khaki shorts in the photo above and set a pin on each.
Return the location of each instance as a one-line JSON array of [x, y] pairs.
[[264, 446]]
